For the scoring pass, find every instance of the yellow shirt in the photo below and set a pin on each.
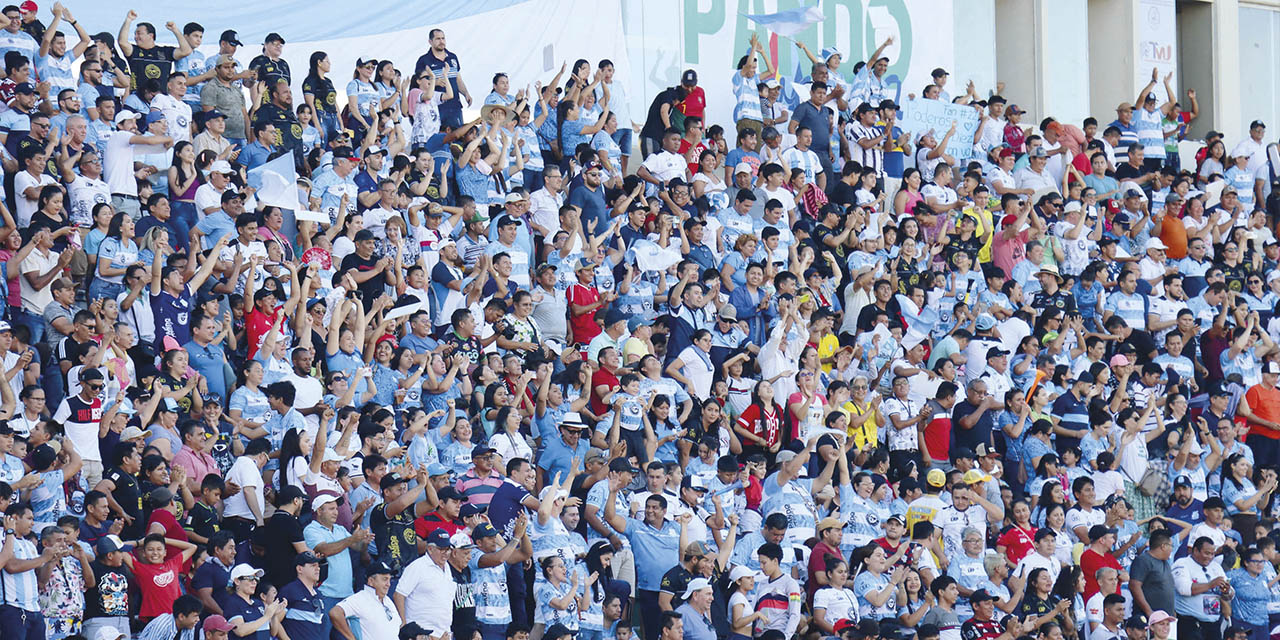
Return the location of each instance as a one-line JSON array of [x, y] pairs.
[[827, 347], [866, 433], [985, 220]]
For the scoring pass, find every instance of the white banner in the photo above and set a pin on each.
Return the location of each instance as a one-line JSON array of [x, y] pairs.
[[921, 116], [1157, 45]]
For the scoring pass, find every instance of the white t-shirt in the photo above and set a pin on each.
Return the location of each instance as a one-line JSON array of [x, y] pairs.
[[34, 300], [27, 206], [378, 619], [118, 163], [698, 370], [207, 197], [246, 474], [177, 116], [428, 592], [86, 193]]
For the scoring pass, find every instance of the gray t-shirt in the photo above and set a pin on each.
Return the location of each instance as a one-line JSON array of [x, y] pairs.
[[948, 622], [1156, 577]]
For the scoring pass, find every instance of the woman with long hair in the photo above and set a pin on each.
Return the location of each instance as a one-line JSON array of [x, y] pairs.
[[760, 426], [1039, 604], [150, 244], [362, 98], [574, 129], [1247, 493], [115, 255], [904, 202], [319, 94], [875, 586], [835, 601], [387, 82], [295, 454], [1051, 493], [1017, 539], [733, 269], [269, 229], [49, 214], [742, 618], [599, 562], [184, 179], [914, 600], [1215, 161], [507, 439]]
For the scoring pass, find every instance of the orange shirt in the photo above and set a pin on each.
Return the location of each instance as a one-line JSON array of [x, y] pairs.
[[1265, 404], [1174, 235]]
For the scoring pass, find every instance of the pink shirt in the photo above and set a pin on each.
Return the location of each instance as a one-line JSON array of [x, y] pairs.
[[196, 464], [1007, 253]]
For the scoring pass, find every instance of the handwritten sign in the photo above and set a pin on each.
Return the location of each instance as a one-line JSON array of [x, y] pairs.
[[921, 116]]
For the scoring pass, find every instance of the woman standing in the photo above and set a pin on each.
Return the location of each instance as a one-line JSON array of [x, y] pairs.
[[184, 179], [1252, 594], [876, 590], [1245, 499], [115, 255], [742, 619], [253, 618], [835, 601], [362, 98], [318, 91]]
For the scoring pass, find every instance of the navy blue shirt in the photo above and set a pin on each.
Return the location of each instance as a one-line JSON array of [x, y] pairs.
[[437, 65], [213, 575], [236, 607], [593, 207], [818, 121], [365, 183], [1192, 514], [979, 434], [304, 618]]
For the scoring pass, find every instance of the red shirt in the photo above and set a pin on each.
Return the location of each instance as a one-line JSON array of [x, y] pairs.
[[937, 436], [258, 324], [766, 424], [583, 325], [1265, 403], [601, 377], [695, 104], [159, 584], [432, 521], [818, 562], [1090, 562], [1017, 542], [683, 150]]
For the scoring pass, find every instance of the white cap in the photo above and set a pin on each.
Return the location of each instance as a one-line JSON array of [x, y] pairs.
[[244, 570], [461, 540], [220, 166], [743, 167], [1155, 243], [323, 499], [1074, 205], [332, 456], [739, 572], [695, 585], [546, 491], [126, 115]]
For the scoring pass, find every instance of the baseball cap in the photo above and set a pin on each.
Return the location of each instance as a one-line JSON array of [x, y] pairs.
[[1159, 616], [244, 571], [306, 557], [461, 540], [985, 321], [344, 153], [133, 433], [216, 622], [996, 352], [437, 469], [1099, 530], [154, 117], [983, 451], [439, 538], [936, 477], [695, 585], [694, 482], [221, 166], [380, 567], [481, 450], [108, 543], [230, 37], [469, 510], [273, 37], [1271, 366], [689, 77], [980, 595], [325, 498], [390, 480], [449, 493], [483, 530], [123, 115], [161, 495], [973, 476], [622, 465], [1136, 621], [743, 167]]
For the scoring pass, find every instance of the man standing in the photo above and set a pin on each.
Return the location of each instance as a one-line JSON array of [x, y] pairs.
[[815, 117], [335, 546], [426, 589], [304, 619], [20, 614], [1261, 410], [1201, 589], [279, 112], [371, 607], [121, 148], [1151, 577], [444, 64], [480, 482], [224, 96]]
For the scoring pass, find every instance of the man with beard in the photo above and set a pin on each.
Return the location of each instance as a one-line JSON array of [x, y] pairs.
[[279, 112]]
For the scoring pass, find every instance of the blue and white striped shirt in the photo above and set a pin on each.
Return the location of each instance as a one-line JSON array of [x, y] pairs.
[[56, 70], [20, 589]]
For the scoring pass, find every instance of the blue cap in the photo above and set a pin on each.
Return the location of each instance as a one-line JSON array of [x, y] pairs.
[[437, 469], [154, 116], [439, 538]]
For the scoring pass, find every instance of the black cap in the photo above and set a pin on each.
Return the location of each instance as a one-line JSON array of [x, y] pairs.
[[273, 37], [230, 37], [1182, 481], [231, 194], [1136, 621], [980, 595], [449, 493], [481, 450], [622, 464], [1098, 530], [379, 568], [306, 557], [996, 352], [390, 480], [288, 494], [412, 630], [689, 77], [25, 87], [963, 452]]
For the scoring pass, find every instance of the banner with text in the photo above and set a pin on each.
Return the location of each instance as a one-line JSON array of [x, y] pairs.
[[921, 116]]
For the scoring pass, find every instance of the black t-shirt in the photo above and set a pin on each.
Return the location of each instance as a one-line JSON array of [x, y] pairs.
[[203, 520], [373, 287], [653, 123], [129, 497], [288, 129], [109, 598], [957, 246], [842, 193], [394, 538], [283, 529], [1127, 171], [150, 64], [464, 602], [325, 96], [271, 70], [1058, 299], [675, 581]]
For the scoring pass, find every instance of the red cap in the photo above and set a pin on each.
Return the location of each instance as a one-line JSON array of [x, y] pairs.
[[388, 338], [216, 622], [28, 7], [1008, 220], [1006, 152], [1113, 206], [843, 624]]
